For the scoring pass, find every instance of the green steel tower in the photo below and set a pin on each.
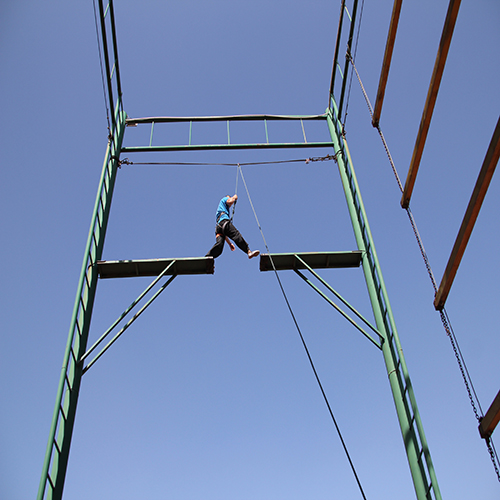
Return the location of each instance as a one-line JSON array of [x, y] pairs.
[[76, 359]]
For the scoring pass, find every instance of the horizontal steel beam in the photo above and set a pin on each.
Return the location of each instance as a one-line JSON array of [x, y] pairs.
[[432, 93], [384, 72], [154, 267], [205, 147], [313, 260], [336, 52], [480, 190], [131, 122], [491, 419]]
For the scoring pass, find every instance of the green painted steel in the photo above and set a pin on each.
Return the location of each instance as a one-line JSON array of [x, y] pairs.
[[348, 50], [58, 447], [124, 328], [340, 311], [345, 302], [308, 260], [134, 122], [57, 454], [153, 267], [127, 310], [218, 147], [417, 450]]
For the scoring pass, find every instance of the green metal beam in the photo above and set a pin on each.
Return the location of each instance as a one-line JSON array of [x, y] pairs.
[[337, 48], [308, 260], [129, 323], [132, 122], [348, 51], [219, 147], [419, 459], [347, 304], [339, 310], [264, 118], [57, 454], [153, 267], [114, 55], [124, 314]]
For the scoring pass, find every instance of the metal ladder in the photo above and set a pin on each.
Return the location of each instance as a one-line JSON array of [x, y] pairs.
[[57, 453], [421, 467]]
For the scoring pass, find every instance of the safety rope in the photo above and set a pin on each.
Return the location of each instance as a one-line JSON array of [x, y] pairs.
[[471, 392], [235, 192], [355, 52], [303, 340], [126, 161], [102, 72]]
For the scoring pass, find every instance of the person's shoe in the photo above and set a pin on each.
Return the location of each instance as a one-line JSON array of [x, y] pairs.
[[253, 254]]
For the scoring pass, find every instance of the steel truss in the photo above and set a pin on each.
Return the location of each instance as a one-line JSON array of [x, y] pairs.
[[386, 337]]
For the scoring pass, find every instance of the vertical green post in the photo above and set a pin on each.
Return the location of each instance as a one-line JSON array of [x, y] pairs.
[[419, 459], [58, 447]]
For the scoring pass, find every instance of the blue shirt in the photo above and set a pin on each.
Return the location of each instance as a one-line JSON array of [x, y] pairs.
[[222, 211]]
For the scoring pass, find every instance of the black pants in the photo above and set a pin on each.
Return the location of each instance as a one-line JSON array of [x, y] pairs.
[[224, 229]]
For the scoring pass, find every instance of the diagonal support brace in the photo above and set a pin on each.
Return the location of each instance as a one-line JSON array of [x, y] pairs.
[[335, 306], [110, 329]]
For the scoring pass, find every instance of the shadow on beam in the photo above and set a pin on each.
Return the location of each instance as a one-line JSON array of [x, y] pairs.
[[315, 260], [154, 267]]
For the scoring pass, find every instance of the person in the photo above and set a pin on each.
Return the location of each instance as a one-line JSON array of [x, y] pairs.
[[225, 231]]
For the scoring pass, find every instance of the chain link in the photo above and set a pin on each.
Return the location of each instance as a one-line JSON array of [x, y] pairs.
[[460, 365], [494, 457], [463, 370]]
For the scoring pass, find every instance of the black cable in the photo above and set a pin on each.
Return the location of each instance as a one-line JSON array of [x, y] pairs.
[[126, 161], [102, 72], [348, 55], [471, 392], [304, 343]]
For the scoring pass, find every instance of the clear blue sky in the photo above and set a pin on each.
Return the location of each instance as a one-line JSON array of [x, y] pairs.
[[210, 395]]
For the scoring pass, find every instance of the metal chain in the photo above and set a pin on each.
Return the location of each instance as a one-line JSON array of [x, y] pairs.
[[126, 161], [398, 180], [493, 455], [461, 362], [422, 249], [463, 371]]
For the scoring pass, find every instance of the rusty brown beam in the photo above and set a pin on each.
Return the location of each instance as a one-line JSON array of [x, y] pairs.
[[444, 45], [480, 189], [491, 419], [386, 64]]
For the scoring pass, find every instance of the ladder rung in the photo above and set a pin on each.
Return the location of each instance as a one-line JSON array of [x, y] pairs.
[[68, 382], [56, 444], [52, 485], [63, 414]]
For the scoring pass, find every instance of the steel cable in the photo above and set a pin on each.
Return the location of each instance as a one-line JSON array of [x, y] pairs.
[[309, 357], [471, 392]]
